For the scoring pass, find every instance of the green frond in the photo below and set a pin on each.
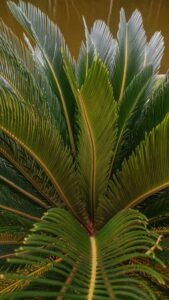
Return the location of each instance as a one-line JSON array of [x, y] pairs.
[[17, 205], [98, 128], [98, 42], [81, 144], [144, 174], [104, 44], [29, 169], [13, 223], [153, 111], [150, 107], [130, 104], [14, 181], [128, 60], [154, 51], [50, 42], [94, 273], [156, 206], [30, 134], [85, 58], [26, 79], [17, 200]]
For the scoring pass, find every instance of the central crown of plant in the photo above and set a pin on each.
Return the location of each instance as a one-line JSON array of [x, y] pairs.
[[82, 144]]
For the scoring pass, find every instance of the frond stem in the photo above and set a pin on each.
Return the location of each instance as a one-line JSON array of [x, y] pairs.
[[20, 213], [20, 169], [24, 192], [141, 198], [46, 170]]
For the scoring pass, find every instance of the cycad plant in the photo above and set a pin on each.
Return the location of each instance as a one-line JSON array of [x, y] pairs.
[[84, 166]]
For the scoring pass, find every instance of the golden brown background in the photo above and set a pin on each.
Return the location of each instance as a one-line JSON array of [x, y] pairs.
[[68, 15]]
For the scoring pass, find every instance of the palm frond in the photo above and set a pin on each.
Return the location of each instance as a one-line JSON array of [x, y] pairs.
[[81, 144], [29, 169], [154, 51], [31, 133], [105, 45], [96, 137], [17, 183], [26, 79], [50, 42], [128, 60], [153, 111], [130, 105], [93, 272], [99, 41], [85, 58], [144, 174]]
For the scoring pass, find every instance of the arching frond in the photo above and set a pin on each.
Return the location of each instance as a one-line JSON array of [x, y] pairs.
[[32, 132], [29, 169], [50, 43], [93, 273], [13, 180], [26, 79]]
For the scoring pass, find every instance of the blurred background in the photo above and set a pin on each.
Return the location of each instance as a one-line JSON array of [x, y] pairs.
[[68, 16]]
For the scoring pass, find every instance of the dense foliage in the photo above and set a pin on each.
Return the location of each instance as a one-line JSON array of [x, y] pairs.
[[84, 167]]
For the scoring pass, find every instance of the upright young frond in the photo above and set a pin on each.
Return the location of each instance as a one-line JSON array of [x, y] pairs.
[[128, 61], [97, 123]]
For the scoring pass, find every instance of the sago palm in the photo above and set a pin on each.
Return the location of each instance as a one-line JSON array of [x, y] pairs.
[[84, 167]]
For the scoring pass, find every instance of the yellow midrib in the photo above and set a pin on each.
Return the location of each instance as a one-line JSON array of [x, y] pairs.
[[24, 192], [145, 58], [63, 104], [93, 269], [20, 169], [123, 128], [93, 153], [41, 163], [125, 63], [147, 194], [20, 283]]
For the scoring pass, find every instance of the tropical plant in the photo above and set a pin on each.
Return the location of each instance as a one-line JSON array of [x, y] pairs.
[[84, 168]]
